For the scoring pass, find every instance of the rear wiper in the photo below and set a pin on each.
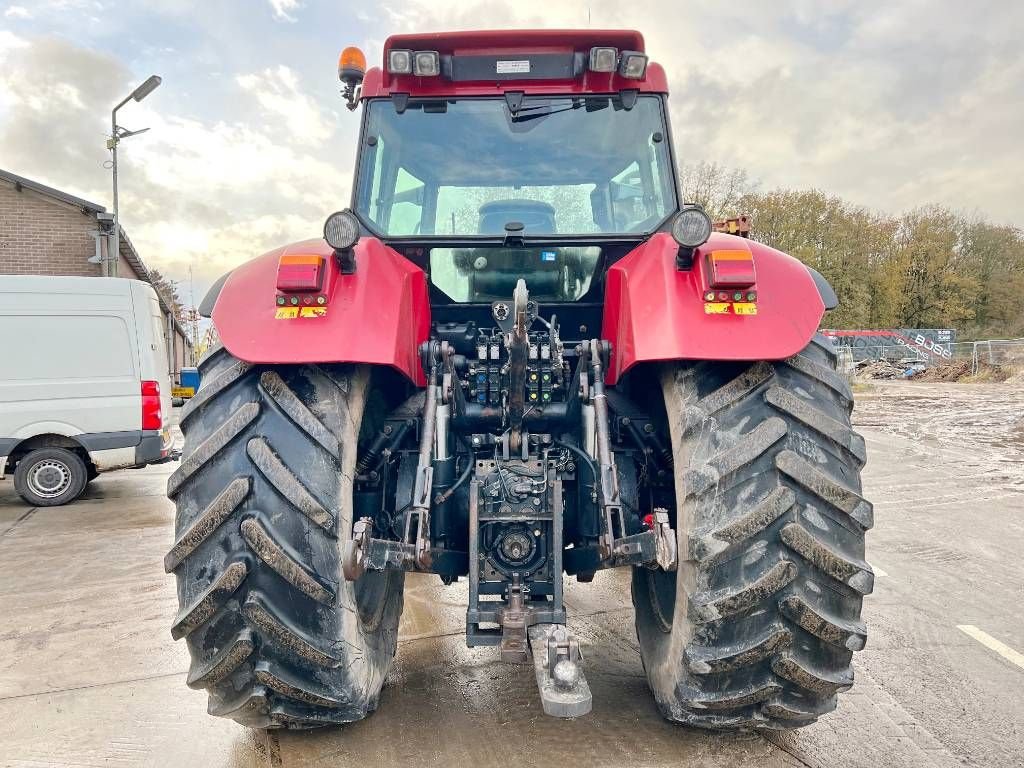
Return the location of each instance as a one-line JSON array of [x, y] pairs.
[[538, 111]]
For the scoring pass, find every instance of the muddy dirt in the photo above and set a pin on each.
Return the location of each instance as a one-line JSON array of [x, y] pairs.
[[985, 421], [89, 674]]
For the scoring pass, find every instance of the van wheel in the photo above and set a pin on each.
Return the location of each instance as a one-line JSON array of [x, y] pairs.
[[49, 477]]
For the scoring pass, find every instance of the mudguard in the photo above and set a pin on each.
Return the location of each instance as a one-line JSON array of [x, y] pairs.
[[653, 311], [379, 314]]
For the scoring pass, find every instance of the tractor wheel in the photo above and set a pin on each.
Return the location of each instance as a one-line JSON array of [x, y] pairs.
[[757, 628], [264, 503]]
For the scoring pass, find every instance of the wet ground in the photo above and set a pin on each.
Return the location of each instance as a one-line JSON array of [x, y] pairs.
[[89, 674]]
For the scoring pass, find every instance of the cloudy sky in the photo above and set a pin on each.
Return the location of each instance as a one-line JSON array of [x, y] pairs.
[[889, 104]]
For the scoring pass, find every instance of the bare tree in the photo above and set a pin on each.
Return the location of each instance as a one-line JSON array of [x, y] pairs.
[[167, 289], [718, 189]]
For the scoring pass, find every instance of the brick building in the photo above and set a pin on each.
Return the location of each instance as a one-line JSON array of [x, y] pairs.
[[44, 231]]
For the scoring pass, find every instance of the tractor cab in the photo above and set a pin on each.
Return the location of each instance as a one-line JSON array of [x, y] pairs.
[[534, 155]]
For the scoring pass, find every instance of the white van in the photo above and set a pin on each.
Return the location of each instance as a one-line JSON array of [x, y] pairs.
[[84, 384]]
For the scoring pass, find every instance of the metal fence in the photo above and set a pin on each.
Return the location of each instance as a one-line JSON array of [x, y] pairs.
[[891, 352], [1003, 352]]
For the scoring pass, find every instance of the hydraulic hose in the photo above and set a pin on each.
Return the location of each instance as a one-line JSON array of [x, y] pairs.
[[586, 459], [443, 497]]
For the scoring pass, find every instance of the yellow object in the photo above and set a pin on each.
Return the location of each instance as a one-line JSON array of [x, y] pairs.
[[182, 391], [352, 58], [301, 258], [716, 308], [313, 312], [286, 313], [744, 308], [734, 255]]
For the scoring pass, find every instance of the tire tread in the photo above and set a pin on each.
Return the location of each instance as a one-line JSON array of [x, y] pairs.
[[274, 638], [773, 522]]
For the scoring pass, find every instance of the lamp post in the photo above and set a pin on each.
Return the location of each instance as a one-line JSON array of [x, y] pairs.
[[116, 134]]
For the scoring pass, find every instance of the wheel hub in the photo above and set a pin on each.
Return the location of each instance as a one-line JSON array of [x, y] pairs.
[[49, 478]]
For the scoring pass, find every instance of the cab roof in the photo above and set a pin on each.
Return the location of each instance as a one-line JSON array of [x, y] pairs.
[[469, 62], [525, 40]]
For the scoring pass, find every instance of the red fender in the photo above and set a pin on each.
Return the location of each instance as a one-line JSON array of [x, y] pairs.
[[378, 315], [654, 311]]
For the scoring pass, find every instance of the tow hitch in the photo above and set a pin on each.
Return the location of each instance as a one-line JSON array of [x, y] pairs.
[[559, 666]]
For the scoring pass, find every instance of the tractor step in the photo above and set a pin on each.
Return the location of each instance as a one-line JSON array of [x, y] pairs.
[[559, 666]]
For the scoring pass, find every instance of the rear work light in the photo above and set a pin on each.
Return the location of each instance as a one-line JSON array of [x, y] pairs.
[[400, 62], [603, 59], [426, 63], [419, 63], [732, 269], [152, 413], [633, 65], [300, 272]]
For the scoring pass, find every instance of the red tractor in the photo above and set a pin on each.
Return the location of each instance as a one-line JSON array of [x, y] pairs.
[[520, 356]]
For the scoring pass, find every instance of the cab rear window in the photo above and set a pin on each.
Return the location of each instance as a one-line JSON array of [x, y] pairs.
[[553, 273]]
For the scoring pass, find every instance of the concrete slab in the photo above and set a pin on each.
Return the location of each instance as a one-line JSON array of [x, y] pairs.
[[89, 674]]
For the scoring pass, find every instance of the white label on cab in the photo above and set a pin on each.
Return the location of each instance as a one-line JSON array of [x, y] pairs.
[[513, 67]]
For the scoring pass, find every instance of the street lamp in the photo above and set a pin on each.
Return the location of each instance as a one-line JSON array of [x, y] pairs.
[[116, 134]]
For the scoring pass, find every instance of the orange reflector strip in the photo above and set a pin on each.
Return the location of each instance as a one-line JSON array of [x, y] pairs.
[[731, 256], [301, 258]]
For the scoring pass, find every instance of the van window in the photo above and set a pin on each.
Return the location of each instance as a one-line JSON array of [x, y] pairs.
[[70, 347]]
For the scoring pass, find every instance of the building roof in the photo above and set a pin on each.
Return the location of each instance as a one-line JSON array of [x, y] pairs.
[[126, 247], [78, 202]]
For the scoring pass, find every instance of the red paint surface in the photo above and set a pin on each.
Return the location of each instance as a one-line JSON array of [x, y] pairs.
[[655, 312], [379, 82], [379, 315]]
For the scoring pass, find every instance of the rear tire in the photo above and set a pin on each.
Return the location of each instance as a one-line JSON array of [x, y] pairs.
[[50, 477], [758, 626], [277, 637]]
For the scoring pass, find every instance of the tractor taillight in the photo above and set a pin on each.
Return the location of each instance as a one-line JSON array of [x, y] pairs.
[[300, 272], [732, 269], [152, 411]]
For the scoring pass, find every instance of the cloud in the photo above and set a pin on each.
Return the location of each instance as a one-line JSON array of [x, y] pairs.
[[279, 94], [17, 12], [9, 41], [207, 194], [56, 95], [282, 9], [892, 105]]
